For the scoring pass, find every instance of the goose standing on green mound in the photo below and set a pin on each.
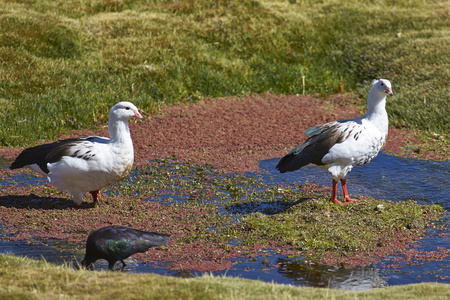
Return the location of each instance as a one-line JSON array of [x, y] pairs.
[[339, 146], [115, 243], [86, 164]]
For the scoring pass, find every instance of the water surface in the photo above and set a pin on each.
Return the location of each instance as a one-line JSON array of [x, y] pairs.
[[386, 177]]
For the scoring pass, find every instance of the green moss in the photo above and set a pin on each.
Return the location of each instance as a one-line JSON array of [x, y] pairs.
[[316, 226], [299, 218]]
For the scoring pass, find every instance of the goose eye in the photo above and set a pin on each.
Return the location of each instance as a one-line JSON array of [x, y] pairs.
[[382, 84], [127, 108]]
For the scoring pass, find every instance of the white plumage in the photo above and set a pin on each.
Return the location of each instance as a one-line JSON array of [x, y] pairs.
[[86, 164], [339, 146]]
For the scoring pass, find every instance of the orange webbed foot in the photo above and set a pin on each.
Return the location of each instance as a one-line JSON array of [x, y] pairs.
[[348, 200]]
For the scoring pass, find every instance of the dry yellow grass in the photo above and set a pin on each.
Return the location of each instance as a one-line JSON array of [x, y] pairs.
[[22, 278]]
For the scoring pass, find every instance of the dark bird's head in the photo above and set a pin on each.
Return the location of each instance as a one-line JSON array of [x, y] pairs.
[[88, 262]]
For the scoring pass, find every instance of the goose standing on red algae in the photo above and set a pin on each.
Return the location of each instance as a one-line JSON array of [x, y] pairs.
[[339, 146], [86, 164]]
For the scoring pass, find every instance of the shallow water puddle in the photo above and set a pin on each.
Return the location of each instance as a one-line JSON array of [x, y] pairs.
[[396, 179], [386, 177]]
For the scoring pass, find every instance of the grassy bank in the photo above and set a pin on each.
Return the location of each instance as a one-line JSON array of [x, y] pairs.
[[63, 64], [28, 279]]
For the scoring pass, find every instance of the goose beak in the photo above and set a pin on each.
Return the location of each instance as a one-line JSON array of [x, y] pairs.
[[389, 92], [138, 115]]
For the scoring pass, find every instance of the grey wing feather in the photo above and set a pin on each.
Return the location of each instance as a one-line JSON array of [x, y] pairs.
[[53, 152], [79, 147], [312, 151]]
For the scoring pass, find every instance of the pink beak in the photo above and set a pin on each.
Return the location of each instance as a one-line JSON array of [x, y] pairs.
[[138, 115], [389, 92]]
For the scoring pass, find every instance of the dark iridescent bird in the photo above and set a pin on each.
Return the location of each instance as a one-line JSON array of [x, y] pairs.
[[339, 146], [115, 243], [86, 164]]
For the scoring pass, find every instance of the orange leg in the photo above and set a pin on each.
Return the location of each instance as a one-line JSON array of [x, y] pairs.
[[334, 193], [95, 195], [347, 198]]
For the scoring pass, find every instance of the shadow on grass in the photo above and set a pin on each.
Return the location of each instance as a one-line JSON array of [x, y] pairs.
[[33, 201]]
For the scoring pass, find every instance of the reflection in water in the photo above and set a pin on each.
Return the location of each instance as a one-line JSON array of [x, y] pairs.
[[386, 177], [361, 278], [392, 178], [56, 252]]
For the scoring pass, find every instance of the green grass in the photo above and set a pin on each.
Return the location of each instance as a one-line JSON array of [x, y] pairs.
[[63, 64], [24, 278]]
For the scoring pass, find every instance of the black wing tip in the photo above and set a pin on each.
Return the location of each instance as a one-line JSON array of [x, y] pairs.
[[18, 164], [14, 166], [20, 160], [282, 165], [281, 169]]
